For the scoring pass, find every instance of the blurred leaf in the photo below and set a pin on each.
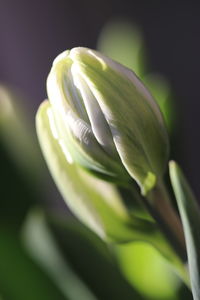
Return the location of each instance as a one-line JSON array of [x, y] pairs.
[[162, 93], [21, 163], [75, 258], [93, 261], [123, 41], [99, 259], [16, 196], [190, 216], [18, 135], [20, 277], [149, 272], [43, 248]]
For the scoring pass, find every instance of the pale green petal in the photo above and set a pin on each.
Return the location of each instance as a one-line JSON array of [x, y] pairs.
[[98, 123], [105, 104], [76, 125], [134, 119]]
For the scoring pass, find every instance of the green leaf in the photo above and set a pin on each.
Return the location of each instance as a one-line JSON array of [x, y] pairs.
[[42, 246], [190, 215], [149, 272], [22, 168], [20, 277], [123, 41], [75, 257], [98, 261], [16, 194], [17, 134], [162, 93]]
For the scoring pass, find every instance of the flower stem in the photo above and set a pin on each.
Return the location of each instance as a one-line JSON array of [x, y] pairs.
[[169, 239], [159, 204]]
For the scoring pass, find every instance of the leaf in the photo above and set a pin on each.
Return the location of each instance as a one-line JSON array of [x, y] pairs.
[[190, 216], [21, 170], [123, 41], [16, 194], [18, 135], [20, 277], [42, 246], [162, 93], [75, 257], [150, 273]]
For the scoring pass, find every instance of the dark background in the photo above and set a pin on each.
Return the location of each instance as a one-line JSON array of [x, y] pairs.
[[32, 33]]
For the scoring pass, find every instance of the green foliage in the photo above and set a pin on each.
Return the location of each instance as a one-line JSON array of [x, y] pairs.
[[190, 215], [124, 42], [20, 277], [41, 245], [147, 271], [80, 263], [17, 134]]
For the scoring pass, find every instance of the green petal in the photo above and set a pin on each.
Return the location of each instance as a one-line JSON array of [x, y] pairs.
[[98, 123], [79, 131], [134, 118], [77, 136]]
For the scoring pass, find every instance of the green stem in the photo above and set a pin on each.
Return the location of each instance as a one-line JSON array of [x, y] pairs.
[[159, 204], [170, 242]]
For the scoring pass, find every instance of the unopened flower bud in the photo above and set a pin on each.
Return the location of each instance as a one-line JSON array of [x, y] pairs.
[[107, 118]]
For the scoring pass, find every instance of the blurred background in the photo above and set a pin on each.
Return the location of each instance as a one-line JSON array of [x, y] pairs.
[[32, 34]]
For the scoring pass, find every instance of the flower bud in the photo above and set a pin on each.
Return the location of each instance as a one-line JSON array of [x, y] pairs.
[[107, 118]]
